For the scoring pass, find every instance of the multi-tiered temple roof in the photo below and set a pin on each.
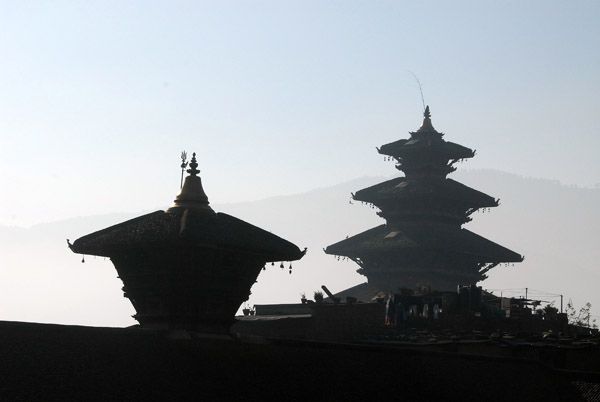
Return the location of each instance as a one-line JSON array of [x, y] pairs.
[[422, 240]]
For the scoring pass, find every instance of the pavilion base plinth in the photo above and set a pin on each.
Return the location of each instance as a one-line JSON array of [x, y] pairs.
[[191, 325]]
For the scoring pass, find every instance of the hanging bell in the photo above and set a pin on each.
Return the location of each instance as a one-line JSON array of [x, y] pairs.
[[281, 266], [83, 259], [272, 263]]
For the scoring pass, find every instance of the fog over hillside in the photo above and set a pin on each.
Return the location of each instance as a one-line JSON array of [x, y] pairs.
[[555, 226]]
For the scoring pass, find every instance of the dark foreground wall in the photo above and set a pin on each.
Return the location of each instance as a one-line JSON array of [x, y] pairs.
[[52, 362]]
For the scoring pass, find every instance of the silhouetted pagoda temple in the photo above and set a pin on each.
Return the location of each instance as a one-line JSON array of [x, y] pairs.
[[187, 267], [422, 240]]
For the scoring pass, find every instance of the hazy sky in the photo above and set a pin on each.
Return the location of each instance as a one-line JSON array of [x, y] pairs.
[[98, 98]]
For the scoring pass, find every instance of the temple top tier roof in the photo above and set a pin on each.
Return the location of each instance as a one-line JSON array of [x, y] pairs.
[[426, 151]]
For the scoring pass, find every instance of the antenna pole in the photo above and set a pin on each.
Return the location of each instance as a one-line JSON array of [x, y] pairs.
[[561, 304], [420, 88]]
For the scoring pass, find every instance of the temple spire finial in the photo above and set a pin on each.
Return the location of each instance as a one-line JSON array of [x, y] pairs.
[[426, 126]]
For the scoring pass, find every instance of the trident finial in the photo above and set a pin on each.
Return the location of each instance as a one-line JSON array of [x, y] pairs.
[[193, 165], [183, 159], [184, 164]]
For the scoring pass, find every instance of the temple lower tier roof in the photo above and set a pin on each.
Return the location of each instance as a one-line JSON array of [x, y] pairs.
[[187, 228], [440, 238], [449, 190]]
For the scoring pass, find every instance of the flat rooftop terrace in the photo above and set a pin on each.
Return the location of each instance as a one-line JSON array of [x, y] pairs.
[[46, 362]]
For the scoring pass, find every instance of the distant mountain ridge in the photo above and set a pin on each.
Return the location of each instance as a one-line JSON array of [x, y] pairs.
[[555, 226]]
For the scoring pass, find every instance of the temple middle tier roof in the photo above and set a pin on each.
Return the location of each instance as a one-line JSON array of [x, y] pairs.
[[444, 189]]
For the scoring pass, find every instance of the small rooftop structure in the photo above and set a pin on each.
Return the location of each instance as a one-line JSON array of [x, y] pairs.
[[188, 267]]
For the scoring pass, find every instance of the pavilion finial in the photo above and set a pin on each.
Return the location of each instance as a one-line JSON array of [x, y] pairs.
[[193, 171], [427, 114], [192, 194]]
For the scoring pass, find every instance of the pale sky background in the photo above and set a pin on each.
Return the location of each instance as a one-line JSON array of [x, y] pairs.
[[98, 99]]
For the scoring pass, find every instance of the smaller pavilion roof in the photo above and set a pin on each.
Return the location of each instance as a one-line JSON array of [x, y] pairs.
[[403, 188], [189, 223], [192, 228]]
